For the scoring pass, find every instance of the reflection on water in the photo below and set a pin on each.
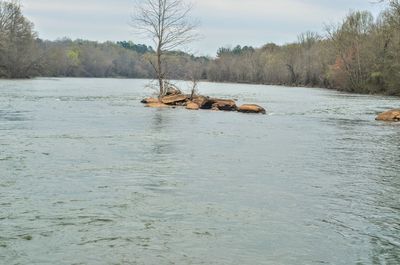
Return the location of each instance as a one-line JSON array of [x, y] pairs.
[[89, 176], [160, 145]]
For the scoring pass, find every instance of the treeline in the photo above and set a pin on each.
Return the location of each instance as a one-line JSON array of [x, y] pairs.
[[82, 58], [24, 55], [361, 54]]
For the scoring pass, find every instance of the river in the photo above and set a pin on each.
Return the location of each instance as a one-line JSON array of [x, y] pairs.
[[90, 176]]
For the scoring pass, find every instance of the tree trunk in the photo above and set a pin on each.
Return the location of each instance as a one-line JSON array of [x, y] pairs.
[[159, 72], [293, 76]]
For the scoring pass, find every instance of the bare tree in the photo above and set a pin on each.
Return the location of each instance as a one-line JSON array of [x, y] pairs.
[[350, 39], [167, 24], [193, 76]]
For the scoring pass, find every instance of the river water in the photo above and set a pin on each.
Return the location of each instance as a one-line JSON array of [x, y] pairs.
[[90, 176]]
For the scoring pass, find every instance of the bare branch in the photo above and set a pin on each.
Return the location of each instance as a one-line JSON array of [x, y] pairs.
[[167, 24]]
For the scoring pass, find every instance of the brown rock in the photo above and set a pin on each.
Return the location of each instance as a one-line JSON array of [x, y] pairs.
[[201, 101], [223, 104], [174, 99], [150, 100], [251, 108], [192, 106], [391, 115], [156, 105]]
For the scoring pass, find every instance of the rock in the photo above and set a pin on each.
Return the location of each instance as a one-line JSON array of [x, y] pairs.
[[223, 104], [201, 101], [173, 91], [215, 108], [391, 115], [150, 100], [174, 99], [156, 105], [192, 106], [251, 108]]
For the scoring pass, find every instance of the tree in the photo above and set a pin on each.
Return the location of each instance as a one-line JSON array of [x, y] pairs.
[[18, 51], [309, 43], [350, 40], [389, 36], [139, 48], [167, 24]]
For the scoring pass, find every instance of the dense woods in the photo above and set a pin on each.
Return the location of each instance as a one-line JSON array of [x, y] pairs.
[[361, 54]]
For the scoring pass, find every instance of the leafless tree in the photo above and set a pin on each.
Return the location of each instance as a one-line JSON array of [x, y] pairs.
[[194, 76], [167, 24]]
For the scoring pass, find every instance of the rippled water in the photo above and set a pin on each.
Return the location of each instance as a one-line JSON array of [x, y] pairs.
[[90, 176]]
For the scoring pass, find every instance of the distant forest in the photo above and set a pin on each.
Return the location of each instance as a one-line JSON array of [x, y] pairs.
[[361, 54]]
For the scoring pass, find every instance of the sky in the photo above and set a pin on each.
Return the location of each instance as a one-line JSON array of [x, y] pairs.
[[222, 22]]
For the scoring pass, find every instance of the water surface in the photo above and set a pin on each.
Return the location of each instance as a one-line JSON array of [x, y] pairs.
[[90, 176]]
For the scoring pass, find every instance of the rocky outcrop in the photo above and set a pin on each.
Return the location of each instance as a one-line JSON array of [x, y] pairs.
[[223, 104], [192, 106], [391, 115], [201, 101], [178, 99], [251, 108]]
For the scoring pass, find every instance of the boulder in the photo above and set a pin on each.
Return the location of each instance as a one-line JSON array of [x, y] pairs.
[[251, 108], [150, 100], [391, 115], [223, 104], [201, 101], [156, 105], [174, 99], [192, 106]]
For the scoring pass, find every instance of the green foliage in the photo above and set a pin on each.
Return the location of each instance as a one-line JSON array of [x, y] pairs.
[[139, 48], [73, 56], [238, 50]]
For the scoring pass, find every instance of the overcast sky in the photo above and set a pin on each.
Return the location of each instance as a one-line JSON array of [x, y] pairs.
[[222, 22]]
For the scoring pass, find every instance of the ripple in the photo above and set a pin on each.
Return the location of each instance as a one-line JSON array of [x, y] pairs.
[[94, 177], [14, 115]]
